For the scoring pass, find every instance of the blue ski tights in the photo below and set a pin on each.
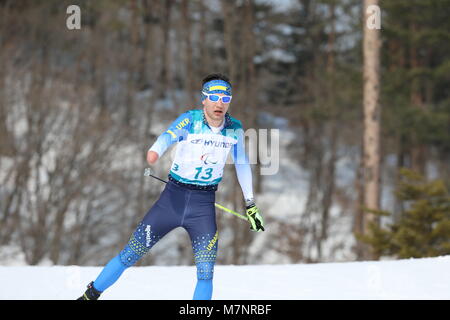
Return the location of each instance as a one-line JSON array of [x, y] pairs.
[[177, 206]]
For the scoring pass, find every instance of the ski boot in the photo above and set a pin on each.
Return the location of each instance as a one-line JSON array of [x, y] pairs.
[[91, 293]]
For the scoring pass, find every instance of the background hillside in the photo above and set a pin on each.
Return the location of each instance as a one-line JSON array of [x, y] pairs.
[[80, 108]]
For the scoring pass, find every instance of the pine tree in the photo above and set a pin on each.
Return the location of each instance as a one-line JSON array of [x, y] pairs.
[[424, 228], [414, 84]]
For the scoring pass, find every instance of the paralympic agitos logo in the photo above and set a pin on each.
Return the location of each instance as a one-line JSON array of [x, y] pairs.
[[207, 158]]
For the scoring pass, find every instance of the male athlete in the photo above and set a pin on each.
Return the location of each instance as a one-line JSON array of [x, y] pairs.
[[205, 137]]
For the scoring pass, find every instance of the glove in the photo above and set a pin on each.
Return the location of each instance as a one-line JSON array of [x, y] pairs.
[[254, 217]]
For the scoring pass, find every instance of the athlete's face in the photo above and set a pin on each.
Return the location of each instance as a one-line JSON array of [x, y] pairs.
[[215, 110]]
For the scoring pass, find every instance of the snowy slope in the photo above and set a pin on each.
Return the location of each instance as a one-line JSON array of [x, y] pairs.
[[427, 278]]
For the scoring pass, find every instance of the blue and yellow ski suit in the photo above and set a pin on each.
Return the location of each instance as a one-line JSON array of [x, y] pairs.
[[188, 198]]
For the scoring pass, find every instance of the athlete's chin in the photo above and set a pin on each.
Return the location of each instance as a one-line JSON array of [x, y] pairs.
[[218, 115]]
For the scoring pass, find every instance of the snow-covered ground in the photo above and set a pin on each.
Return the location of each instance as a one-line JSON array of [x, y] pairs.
[[427, 278]]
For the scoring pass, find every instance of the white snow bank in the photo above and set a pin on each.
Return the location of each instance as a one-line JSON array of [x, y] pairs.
[[427, 278]]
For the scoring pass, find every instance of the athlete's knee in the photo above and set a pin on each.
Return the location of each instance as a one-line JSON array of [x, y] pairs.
[[205, 253], [129, 256], [139, 244], [204, 261]]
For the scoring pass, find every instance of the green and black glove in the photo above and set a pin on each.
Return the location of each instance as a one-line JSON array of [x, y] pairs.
[[254, 217]]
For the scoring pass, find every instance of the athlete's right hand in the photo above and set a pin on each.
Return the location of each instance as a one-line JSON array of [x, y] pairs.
[[152, 156]]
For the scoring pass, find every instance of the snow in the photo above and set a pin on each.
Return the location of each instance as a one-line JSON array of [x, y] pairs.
[[411, 279]]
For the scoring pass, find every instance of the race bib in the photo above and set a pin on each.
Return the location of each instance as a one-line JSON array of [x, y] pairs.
[[200, 158]]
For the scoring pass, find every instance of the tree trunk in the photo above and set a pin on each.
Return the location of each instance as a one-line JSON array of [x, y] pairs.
[[165, 75], [371, 134], [190, 74]]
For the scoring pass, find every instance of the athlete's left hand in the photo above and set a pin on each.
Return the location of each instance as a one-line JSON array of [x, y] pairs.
[[254, 217]]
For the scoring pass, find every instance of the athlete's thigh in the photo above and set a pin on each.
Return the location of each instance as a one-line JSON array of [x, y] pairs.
[[158, 221]]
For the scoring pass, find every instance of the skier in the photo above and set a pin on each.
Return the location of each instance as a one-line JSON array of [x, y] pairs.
[[205, 137]]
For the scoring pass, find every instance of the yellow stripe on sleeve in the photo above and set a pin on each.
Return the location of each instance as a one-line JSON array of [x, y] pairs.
[[172, 134]]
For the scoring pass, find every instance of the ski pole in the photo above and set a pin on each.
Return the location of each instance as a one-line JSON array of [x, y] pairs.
[[231, 211], [148, 173]]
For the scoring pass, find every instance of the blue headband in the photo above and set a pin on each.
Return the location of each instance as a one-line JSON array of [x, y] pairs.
[[217, 86]]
